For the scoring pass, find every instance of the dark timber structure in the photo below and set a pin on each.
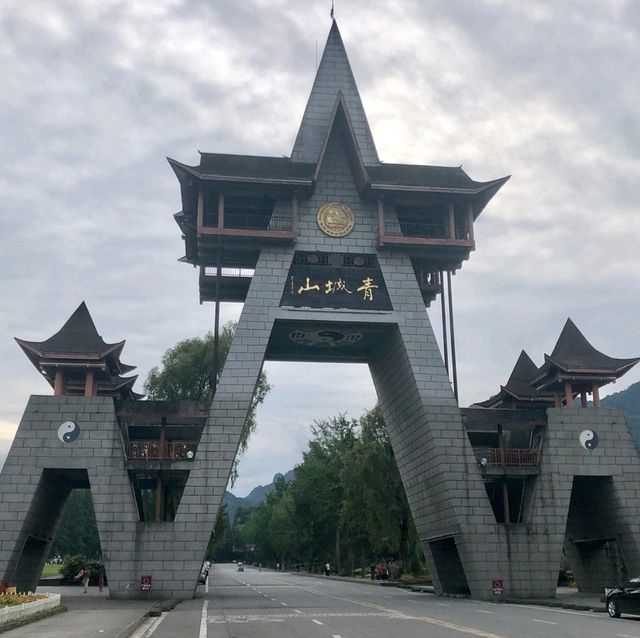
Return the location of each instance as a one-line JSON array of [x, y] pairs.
[[335, 256]]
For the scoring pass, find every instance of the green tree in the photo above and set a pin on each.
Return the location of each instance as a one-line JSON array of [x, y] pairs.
[[77, 532], [185, 374]]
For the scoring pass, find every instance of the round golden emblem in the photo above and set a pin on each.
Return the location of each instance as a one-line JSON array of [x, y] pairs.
[[335, 220]]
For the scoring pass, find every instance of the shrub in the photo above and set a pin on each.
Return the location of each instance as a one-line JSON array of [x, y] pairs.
[[72, 566]]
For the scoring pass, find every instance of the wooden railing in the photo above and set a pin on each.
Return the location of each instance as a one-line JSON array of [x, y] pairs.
[[153, 450], [496, 457]]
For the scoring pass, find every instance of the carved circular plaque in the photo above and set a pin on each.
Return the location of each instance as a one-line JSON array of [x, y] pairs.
[[588, 439], [336, 220]]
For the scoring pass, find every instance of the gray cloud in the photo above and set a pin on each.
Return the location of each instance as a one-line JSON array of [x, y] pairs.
[[96, 94]]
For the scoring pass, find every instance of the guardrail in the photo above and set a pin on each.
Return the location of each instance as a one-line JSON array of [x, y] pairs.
[[11, 613], [518, 457], [152, 450]]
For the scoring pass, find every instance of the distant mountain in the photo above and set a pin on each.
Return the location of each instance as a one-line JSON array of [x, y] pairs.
[[255, 496], [628, 401]]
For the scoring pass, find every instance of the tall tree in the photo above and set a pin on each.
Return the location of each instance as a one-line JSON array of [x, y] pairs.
[[185, 374]]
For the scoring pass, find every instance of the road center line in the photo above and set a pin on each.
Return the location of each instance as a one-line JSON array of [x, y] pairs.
[[546, 622], [317, 622], [203, 620]]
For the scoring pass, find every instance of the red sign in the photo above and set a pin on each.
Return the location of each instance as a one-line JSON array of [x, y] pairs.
[[145, 583], [497, 586]]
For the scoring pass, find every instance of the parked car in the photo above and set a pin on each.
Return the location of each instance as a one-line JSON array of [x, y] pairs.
[[624, 599]]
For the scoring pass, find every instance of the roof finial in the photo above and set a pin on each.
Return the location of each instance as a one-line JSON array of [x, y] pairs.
[[332, 10]]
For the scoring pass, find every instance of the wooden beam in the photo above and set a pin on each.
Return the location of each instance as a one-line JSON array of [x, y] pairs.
[[60, 385], [220, 210], [200, 212], [89, 384], [470, 221], [568, 391], [381, 233], [596, 396], [452, 222], [294, 214]]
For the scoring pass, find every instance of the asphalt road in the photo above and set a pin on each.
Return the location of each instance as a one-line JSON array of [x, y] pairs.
[[253, 604]]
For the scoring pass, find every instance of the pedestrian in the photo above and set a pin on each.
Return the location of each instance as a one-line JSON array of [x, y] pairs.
[[83, 575], [101, 582], [372, 568], [327, 569]]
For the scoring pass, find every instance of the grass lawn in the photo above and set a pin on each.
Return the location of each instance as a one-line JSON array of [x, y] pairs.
[[51, 570]]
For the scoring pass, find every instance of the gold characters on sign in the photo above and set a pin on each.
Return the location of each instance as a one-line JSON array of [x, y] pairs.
[[329, 286]]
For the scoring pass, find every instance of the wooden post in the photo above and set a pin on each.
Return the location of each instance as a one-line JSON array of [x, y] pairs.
[[470, 221], [445, 345], [163, 442], [583, 399], [380, 221], [501, 445], [596, 397], [505, 500], [294, 214], [60, 384], [89, 383], [568, 392], [452, 222], [453, 338], [220, 210], [200, 211], [216, 326], [557, 400], [158, 512]]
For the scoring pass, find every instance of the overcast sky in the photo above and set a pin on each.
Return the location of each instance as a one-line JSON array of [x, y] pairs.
[[95, 94]]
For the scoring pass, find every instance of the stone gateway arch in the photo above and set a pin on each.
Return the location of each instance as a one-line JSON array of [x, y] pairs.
[[335, 256]]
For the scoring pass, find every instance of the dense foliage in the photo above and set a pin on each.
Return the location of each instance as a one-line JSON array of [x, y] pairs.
[[186, 375], [346, 506], [78, 532]]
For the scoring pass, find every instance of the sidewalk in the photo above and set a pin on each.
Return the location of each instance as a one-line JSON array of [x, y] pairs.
[[88, 614]]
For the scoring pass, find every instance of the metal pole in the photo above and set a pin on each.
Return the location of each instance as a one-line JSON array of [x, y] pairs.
[[453, 339], [216, 327], [445, 345]]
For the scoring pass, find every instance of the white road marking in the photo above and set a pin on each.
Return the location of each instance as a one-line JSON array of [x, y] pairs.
[[442, 605], [483, 611], [336, 636], [546, 622], [275, 600], [297, 611], [146, 629], [284, 604], [626, 636], [317, 621], [203, 620]]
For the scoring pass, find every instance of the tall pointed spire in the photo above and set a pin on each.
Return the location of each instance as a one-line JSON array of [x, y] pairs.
[[334, 74]]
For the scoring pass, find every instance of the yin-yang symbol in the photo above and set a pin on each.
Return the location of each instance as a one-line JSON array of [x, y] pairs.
[[68, 431], [588, 439]]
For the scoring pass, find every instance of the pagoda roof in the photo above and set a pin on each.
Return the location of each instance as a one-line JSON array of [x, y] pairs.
[[574, 358], [334, 101], [77, 341], [285, 171], [518, 388]]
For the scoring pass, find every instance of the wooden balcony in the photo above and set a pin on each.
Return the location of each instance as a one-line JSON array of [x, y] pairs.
[[232, 285], [249, 224], [507, 457], [155, 450]]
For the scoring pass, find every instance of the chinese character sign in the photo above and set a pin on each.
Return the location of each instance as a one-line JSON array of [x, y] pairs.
[[315, 286]]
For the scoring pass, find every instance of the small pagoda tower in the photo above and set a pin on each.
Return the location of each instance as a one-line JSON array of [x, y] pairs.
[[518, 391], [77, 361], [576, 367]]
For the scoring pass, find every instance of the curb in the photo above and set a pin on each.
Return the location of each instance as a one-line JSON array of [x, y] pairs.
[[27, 620], [154, 610]]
